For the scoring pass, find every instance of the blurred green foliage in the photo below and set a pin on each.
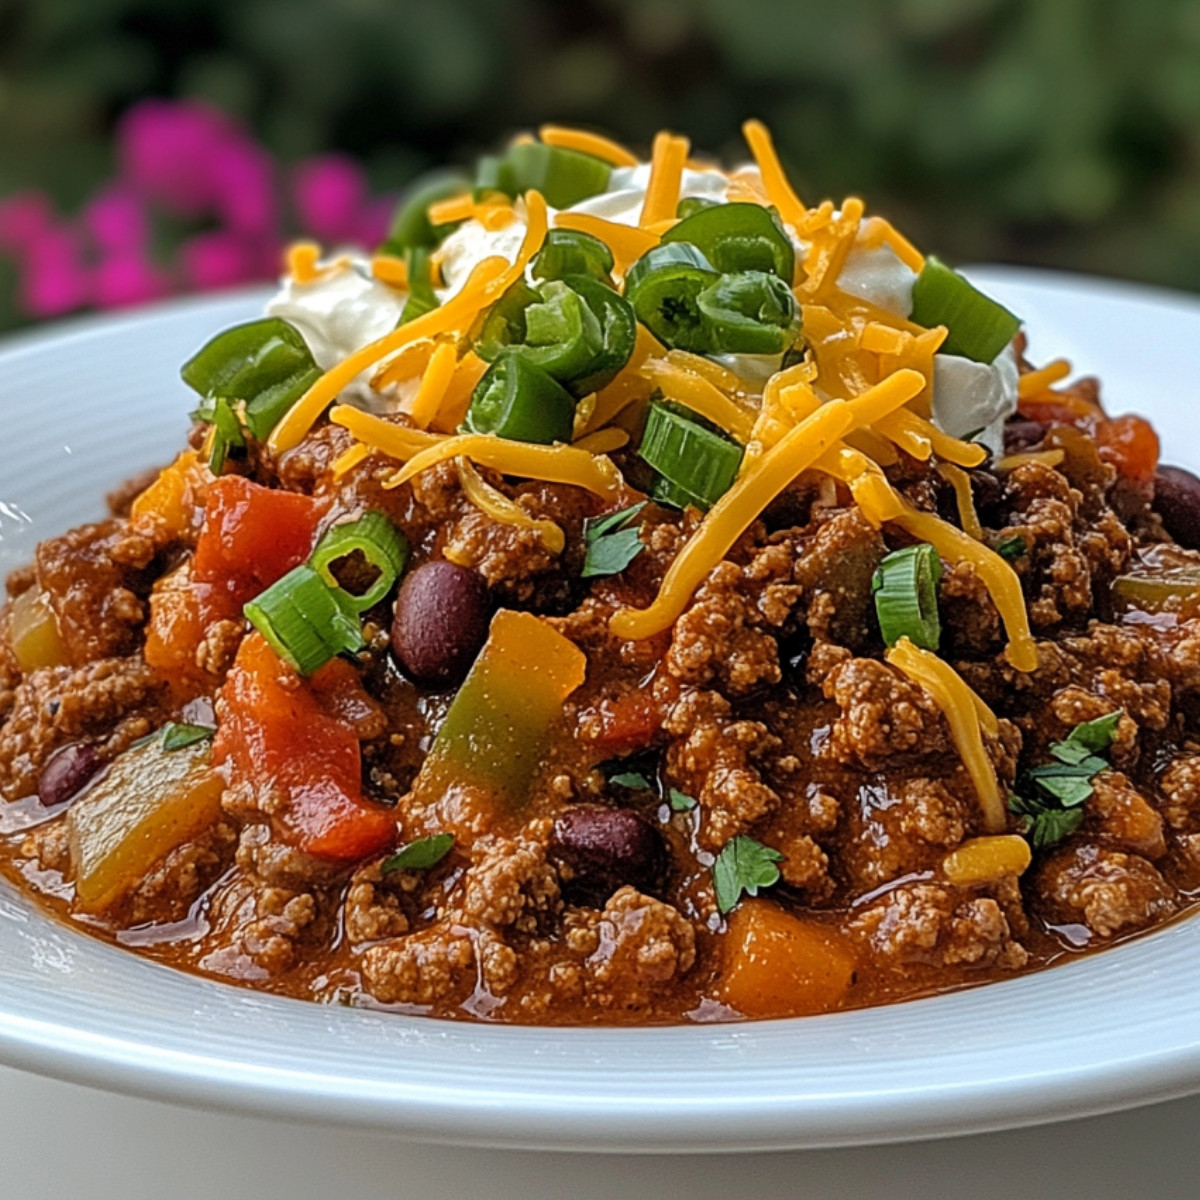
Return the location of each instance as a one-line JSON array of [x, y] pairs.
[[1057, 132]]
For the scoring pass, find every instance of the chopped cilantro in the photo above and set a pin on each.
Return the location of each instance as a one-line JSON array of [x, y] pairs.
[[612, 543], [1012, 547], [631, 779], [678, 801], [743, 865], [1098, 735], [1052, 807], [178, 735], [420, 855]]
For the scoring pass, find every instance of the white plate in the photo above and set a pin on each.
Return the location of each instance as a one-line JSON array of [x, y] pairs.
[[85, 405]]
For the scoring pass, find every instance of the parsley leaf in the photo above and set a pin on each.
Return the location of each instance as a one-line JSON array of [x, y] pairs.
[[678, 801], [743, 865], [1098, 735], [1012, 547], [420, 855], [611, 546], [178, 736], [1054, 810], [631, 779]]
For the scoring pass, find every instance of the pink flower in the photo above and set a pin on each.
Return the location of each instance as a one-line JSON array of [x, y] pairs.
[[126, 278], [117, 220], [329, 193], [165, 150], [243, 178], [223, 259], [24, 217], [56, 279]]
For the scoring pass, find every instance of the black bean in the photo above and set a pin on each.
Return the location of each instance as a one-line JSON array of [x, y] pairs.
[[1021, 434], [601, 849], [1177, 501], [65, 772], [441, 621]]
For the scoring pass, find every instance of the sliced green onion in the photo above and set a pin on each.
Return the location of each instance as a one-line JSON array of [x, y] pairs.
[[564, 177], [516, 399], [494, 174], [618, 332], [750, 312], [266, 364], [380, 543], [421, 296], [693, 204], [572, 252], [578, 330], [979, 328], [738, 237], [411, 226], [663, 491], [663, 286], [905, 586], [305, 621], [227, 436], [697, 460]]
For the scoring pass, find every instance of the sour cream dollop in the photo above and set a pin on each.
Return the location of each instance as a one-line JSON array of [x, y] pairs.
[[969, 396], [344, 309]]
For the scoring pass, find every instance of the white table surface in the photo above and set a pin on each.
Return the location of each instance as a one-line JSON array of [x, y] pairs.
[[60, 1140]]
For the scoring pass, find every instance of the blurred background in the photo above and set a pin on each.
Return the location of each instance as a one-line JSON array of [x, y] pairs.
[[156, 146]]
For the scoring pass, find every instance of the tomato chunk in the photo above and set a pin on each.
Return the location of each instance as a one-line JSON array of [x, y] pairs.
[[1131, 445], [279, 731], [253, 535]]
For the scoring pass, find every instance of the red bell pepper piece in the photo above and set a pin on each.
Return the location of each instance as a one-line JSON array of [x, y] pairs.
[[283, 732]]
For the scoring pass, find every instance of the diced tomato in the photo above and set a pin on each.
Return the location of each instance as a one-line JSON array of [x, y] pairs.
[[625, 724], [1131, 445], [253, 535], [281, 731]]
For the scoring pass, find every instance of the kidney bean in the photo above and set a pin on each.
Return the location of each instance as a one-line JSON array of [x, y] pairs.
[[1177, 501], [603, 849], [440, 623], [1021, 434], [65, 773]]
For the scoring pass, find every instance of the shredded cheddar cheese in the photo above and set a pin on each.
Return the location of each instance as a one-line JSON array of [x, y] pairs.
[[774, 178], [587, 143], [348, 460], [961, 708], [390, 270], [301, 260], [553, 464], [499, 507], [667, 160], [434, 383], [397, 441], [457, 397], [602, 441], [960, 481], [1033, 383]]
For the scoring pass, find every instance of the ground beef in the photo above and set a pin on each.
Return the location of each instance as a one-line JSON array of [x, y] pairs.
[[1180, 785], [902, 827], [1108, 891], [171, 888], [510, 884], [718, 761], [1121, 817], [111, 702], [635, 947], [884, 715], [96, 581], [433, 966], [930, 925]]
